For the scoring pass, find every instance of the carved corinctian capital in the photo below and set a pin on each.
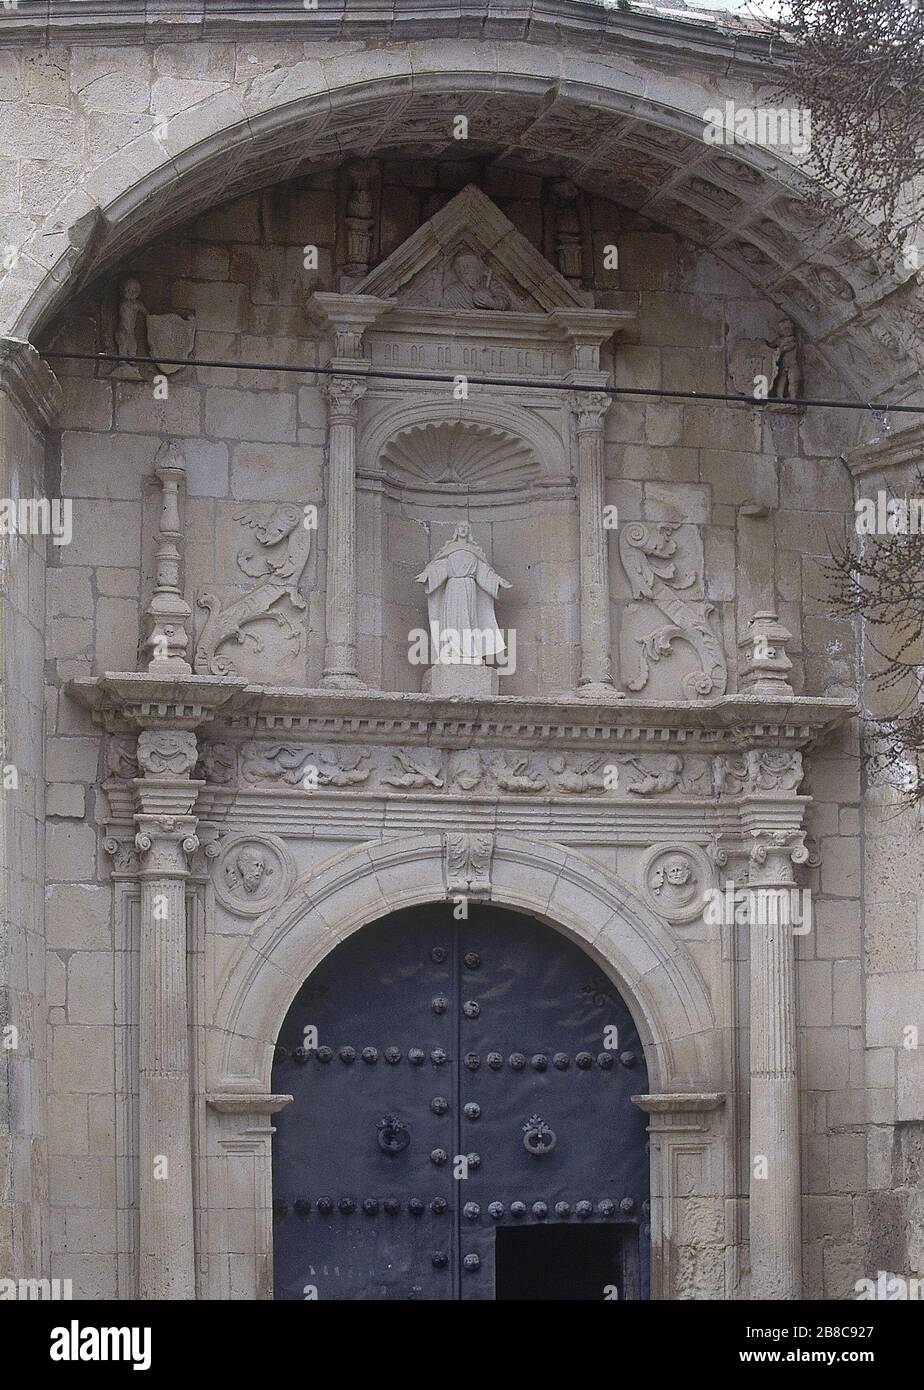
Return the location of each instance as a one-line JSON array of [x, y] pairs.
[[343, 396], [589, 409]]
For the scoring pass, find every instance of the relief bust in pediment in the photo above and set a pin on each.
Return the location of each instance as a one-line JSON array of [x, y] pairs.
[[470, 284], [469, 255]]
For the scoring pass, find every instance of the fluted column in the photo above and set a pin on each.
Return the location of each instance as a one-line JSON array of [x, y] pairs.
[[165, 797], [775, 1188], [596, 677], [340, 670]]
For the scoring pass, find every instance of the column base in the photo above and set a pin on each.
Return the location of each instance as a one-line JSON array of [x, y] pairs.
[[598, 690], [342, 680]]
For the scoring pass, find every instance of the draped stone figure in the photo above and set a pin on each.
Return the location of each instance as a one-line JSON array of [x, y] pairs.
[[466, 645], [461, 588]]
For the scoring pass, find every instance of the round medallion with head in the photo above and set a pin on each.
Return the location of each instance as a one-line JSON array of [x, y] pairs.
[[675, 880], [252, 874]]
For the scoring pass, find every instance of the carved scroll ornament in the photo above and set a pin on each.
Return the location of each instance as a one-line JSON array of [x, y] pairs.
[[647, 552]]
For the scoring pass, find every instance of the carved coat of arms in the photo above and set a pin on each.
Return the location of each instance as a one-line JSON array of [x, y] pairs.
[[171, 336]]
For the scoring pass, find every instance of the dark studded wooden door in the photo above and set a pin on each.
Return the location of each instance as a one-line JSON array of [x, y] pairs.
[[462, 1124]]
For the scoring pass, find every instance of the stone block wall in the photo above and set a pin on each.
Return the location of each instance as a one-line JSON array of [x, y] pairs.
[[26, 401]]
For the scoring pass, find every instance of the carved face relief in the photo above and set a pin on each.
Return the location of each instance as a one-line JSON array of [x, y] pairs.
[[252, 874], [674, 880], [250, 869], [468, 268]]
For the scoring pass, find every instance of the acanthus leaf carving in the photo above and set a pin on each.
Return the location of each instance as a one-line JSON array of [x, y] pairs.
[[468, 862]]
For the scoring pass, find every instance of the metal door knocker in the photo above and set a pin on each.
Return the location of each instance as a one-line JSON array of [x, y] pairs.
[[393, 1135], [538, 1137]]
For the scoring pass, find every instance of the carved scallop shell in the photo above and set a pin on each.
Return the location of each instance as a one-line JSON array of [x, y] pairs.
[[455, 455]]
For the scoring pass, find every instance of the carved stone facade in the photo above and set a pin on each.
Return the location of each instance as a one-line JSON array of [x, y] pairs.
[[246, 756]]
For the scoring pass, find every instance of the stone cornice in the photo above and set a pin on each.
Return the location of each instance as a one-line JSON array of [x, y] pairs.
[[131, 700], [902, 450], [128, 701], [709, 41], [247, 1102], [29, 382], [680, 1102]]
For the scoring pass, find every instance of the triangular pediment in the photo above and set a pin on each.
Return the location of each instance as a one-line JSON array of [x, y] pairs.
[[469, 256]]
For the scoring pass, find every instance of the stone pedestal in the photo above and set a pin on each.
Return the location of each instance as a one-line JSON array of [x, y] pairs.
[[466, 681]]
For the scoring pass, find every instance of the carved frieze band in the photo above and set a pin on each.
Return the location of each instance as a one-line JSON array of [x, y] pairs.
[[389, 771]]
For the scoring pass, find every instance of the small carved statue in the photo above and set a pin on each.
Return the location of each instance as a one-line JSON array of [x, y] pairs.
[[131, 310], [274, 762], [664, 781], [788, 378], [568, 231], [461, 588]]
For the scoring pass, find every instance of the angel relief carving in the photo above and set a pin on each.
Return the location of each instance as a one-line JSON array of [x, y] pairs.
[[265, 622], [647, 552]]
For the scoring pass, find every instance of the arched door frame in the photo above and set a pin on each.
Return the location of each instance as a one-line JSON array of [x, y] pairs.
[[653, 971]]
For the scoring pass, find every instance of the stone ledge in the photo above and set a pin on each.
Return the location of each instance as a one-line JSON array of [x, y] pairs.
[[247, 1102], [126, 700], [709, 38]]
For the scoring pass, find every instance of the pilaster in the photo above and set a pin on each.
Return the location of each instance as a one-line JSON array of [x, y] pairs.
[[775, 1189]]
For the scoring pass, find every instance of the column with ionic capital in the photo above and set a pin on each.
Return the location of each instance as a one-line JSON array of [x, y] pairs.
[[596, 678], [343, 395], [775, 1189], [165, 835]]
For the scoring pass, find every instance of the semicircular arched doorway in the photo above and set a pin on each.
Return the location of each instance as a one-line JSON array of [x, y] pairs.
[[462, 1126]]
